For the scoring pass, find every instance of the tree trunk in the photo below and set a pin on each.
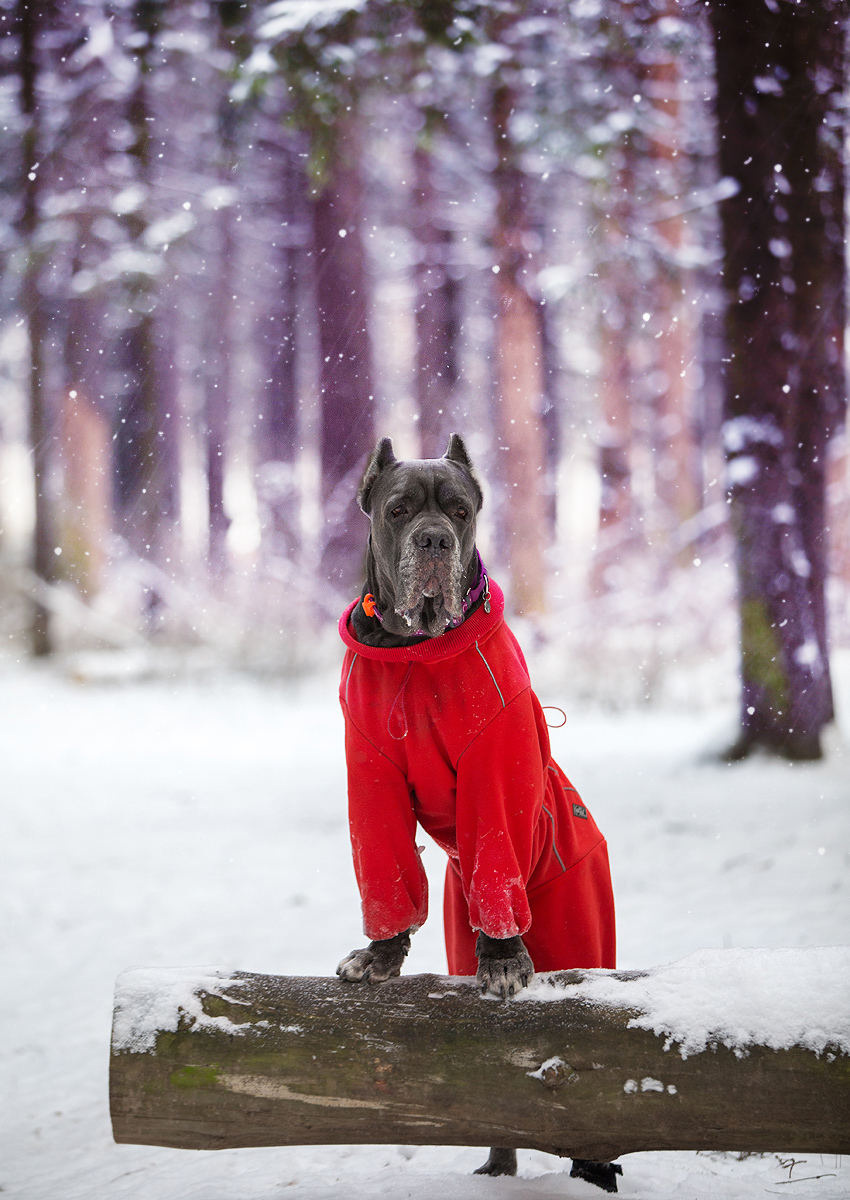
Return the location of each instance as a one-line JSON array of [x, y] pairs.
[[278, 448], [87, 492], [219, 385], [348, 432], [201, 1060], [86, 439], [618, 323], [437, 317], [519, 371], [780, 73], [675, 451], [145, 484], [29, 23]]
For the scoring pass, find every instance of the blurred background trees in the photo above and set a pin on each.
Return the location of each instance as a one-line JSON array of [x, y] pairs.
[[240, 240], [780, 78]]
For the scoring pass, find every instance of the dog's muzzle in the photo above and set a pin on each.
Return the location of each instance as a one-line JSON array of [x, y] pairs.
[[428, 596]]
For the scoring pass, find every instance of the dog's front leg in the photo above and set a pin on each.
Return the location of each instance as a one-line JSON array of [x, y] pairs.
[[377, 962], [504, 965]]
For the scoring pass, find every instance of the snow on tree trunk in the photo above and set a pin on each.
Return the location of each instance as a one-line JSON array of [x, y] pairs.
[[519, 370], [347, 421], [779, 86]]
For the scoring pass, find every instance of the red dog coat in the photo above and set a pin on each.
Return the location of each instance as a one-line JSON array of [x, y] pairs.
[[447, 733]]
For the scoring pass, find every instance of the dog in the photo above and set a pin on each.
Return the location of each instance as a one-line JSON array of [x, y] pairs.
[[443, 730]]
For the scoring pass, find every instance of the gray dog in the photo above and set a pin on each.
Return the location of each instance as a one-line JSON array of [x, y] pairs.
[[421, 567], [424, 580]]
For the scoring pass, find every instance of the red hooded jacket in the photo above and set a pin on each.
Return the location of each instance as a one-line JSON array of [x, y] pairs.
[[447, 733]]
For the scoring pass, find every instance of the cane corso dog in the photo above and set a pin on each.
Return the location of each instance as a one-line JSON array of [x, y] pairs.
[[444, 731]]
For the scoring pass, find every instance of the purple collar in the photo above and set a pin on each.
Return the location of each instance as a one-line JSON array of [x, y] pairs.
[[481, 588]]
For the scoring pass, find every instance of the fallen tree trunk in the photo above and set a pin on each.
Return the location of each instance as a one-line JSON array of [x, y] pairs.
[[589, 1064]]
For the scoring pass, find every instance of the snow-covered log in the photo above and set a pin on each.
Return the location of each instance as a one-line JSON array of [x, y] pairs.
[[727, 1050]]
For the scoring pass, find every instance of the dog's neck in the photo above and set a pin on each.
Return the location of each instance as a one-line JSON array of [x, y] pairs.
[[370, 629]]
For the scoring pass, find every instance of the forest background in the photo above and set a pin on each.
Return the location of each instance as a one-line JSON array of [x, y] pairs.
[[603, 240]]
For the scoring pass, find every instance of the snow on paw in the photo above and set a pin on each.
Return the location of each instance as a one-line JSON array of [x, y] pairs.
[[379, 961], [355, 965]]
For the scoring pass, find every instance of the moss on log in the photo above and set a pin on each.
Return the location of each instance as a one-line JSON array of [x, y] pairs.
[[259, 1060]]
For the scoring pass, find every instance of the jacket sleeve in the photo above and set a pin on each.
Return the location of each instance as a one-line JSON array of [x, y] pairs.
[[392, 881], [500, 793]]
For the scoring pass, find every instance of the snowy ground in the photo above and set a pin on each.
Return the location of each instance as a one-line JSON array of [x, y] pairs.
[[181, 824]]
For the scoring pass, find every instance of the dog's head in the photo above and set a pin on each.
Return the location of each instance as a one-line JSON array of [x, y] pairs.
[[422, 545]]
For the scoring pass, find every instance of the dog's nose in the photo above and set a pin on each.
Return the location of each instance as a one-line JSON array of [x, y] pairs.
[[432, 539]]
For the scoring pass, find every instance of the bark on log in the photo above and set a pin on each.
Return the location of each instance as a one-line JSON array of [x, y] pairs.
[[211, 1061]]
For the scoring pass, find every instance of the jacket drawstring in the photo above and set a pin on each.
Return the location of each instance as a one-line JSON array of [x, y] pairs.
[[400, 697]]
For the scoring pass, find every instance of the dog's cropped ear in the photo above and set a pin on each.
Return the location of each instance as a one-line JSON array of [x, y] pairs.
[[382, 456], [458, 453]]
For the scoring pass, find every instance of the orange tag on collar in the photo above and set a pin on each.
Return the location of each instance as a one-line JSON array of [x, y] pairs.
[[369, 603]]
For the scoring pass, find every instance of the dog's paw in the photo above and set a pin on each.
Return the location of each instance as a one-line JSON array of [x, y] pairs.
[[500, 1162], [377, 962], [603, 1175], [355, 965], [504, 965]]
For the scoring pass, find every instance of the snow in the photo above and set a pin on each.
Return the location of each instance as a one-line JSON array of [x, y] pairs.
[[739, 432], [783, 513], [779, 247], [735, 998], [549, 1065], [740, 471], [291, 16], [767, 85], [808, 654], [99, 44], [164, 823], [148, 1000], [130, 200], [169, 229]]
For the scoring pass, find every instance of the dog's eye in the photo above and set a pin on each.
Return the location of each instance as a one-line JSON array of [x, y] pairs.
[[461, 512], [397, 511]]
